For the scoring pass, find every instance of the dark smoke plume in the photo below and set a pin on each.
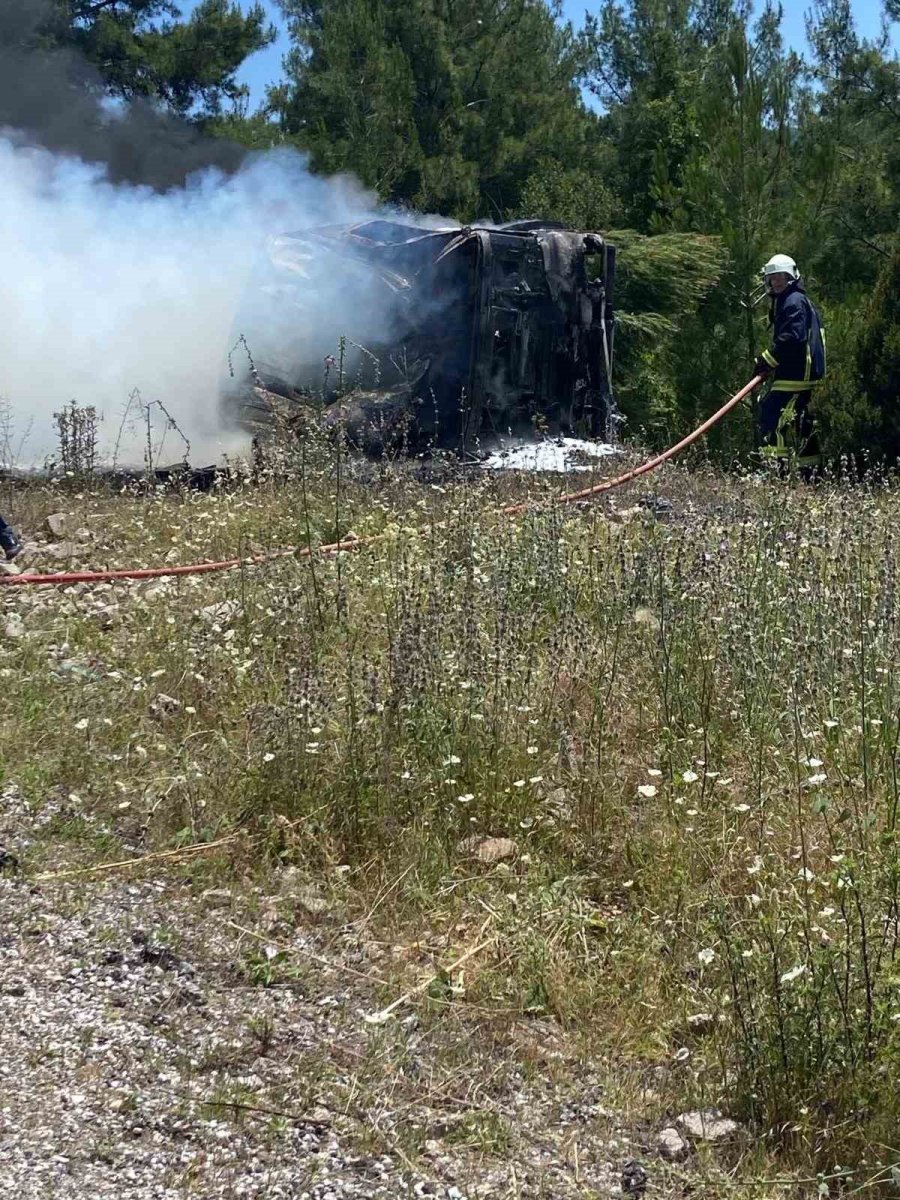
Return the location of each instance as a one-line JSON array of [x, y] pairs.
[[54, 99]]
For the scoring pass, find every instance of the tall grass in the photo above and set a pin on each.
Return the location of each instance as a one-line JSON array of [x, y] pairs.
[[689, 726]]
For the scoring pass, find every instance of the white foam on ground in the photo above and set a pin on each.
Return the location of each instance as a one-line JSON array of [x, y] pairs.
[[559, 455]]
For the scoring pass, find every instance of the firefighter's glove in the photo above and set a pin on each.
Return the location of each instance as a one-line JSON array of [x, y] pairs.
[[761, 367]]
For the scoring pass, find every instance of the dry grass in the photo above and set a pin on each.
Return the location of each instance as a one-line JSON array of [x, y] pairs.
[[688, 725]]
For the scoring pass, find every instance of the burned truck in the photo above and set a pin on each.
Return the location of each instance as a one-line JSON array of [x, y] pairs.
[[422, 338]]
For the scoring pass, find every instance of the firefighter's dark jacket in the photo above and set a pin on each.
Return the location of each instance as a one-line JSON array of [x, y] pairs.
[[797, 352]]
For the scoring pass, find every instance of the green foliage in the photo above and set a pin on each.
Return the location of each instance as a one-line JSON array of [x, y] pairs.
[[668, 273], [698, 113], [643, 61], [717, 129], [662, 283], [447, 107], [256, 132], [846, 418], [735, 175], [142, 48], [878, 356], [577, 196]]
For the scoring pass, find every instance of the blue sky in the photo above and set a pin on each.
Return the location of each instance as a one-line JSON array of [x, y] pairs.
[[265, 67]]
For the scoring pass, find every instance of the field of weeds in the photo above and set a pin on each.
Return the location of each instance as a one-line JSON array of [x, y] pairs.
[[628, 768]]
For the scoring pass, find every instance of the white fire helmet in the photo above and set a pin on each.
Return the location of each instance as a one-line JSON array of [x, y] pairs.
[[780, 264]]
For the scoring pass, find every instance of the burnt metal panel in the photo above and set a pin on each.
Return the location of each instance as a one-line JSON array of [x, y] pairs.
[[466, 332]]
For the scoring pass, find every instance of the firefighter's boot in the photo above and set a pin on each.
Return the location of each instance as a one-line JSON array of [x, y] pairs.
[[9, 543]]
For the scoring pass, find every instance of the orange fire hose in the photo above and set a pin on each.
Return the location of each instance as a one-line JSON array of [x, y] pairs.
[[511, 510]]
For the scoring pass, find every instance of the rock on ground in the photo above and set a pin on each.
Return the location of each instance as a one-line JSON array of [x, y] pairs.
[[708, 1125], [671, 1146]]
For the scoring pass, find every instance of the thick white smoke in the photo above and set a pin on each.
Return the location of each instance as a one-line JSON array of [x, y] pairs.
[[105, 289]]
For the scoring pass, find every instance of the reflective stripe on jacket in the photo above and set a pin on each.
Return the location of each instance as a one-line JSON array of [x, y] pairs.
[[797, 352]]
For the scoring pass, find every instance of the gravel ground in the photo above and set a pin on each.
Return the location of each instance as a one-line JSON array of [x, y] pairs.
[[159, 1044]]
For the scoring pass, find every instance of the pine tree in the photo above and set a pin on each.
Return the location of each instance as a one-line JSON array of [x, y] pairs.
[[738, 173], [850, 142], [663, 282], [643, 61], [698, 112], [845, 213], [878, 358], [450, 106], [142, 48]]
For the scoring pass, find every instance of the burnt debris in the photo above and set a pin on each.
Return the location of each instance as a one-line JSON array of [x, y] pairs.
[[428, 338]]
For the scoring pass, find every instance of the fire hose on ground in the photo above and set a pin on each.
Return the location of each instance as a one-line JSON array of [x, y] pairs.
[[357, 543]]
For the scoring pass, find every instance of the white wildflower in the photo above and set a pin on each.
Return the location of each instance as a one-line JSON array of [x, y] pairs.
[[690, 776], [268, 756], [793, 973], [82, 724], [654, 772], [805, 874], [648, 790], [452, 761], [466, 798], [706, 956]]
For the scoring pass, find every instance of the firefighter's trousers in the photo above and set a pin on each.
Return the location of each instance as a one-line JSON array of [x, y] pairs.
[[788, 431]]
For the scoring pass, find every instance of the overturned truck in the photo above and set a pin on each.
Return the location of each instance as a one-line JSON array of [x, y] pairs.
[[421, 338]]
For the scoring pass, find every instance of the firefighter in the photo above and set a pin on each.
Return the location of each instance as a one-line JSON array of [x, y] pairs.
[[9, 543], [794, 364]]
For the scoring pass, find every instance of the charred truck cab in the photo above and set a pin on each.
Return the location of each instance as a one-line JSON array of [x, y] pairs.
[[425, 338]]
